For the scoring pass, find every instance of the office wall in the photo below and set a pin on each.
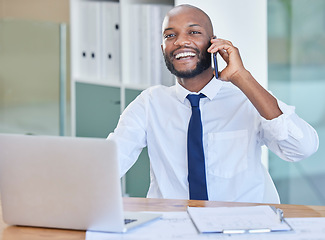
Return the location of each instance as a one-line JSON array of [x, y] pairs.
[[43, 10], [30, 40]]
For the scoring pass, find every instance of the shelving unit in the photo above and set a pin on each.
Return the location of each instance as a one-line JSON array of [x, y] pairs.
[[104, 68]]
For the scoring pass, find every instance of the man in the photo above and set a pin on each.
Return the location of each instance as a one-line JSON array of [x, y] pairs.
[[236, 115]]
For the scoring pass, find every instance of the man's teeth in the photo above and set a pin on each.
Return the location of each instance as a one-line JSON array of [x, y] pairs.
[[184, 54]]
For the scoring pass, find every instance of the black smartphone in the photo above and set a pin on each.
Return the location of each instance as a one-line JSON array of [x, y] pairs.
[[215, 62], [215, 65]]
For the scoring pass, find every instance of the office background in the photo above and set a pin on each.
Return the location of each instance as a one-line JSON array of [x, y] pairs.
[[35, 83]]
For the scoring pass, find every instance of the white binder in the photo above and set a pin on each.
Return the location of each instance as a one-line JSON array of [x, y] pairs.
[[89, 36], [110, 41], [146, 60], [135, 55], [154, 19], [166, 78]]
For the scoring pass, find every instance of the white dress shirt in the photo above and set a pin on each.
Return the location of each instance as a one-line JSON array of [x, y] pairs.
[[233, 133]]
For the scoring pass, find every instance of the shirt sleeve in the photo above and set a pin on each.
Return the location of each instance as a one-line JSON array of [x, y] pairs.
[[130, 134], [289, 136]]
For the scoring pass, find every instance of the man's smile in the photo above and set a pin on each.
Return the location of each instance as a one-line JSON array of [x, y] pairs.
[[183, 55]]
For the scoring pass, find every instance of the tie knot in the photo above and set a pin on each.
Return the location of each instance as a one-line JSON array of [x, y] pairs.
[[195, 99]]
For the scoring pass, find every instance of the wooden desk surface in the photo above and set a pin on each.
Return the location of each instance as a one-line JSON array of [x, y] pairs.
[[141, 204]]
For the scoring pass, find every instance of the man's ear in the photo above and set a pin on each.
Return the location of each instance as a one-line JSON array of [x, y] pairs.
[[162, 48]]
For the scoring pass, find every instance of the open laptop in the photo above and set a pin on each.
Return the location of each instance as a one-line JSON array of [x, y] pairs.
[[63, 182]]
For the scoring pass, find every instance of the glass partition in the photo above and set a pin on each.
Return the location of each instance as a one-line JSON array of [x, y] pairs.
[[32, 84], [296, 42]]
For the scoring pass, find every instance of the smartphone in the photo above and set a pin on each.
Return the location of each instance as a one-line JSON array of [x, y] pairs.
[[215, 65], [215, 62]]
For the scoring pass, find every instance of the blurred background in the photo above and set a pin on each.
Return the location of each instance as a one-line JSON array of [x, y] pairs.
[[296, 67]]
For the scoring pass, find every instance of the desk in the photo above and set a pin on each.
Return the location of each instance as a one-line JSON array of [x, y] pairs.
[[142, 204]]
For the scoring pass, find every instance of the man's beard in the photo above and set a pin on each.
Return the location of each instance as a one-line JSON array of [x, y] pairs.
[[203, 64]]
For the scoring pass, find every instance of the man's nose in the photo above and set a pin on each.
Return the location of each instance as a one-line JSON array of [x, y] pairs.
[[182, 41]]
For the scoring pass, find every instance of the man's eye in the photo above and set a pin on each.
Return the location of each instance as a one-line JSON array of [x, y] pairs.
[[169, 35], [195, 32]]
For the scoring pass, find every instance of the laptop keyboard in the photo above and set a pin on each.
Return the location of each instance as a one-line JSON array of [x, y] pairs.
[[127, 221]]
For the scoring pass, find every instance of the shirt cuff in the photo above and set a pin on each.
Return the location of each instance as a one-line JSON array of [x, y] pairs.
[[283, 126]]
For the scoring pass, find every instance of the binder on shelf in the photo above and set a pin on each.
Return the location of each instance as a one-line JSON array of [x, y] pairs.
[[135, 58], [146, 54], [110, 41], [97, 51], [146, 62], [155, 34], [89, 37], [166, 78], [157, 73]]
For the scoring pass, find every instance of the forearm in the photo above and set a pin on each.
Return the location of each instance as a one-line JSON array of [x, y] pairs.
[[130, 135], [263, 101], [289, 136], [236, 73]]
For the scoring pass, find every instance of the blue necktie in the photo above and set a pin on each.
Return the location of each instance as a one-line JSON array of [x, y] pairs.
[[196, 164]]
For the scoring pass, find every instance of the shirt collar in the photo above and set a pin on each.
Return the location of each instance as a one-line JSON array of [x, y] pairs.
[[210, 90]]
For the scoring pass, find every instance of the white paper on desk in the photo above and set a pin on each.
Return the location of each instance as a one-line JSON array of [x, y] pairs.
[[219, 219], [304, 229], [309, 227], [178, 225], [172, 225]]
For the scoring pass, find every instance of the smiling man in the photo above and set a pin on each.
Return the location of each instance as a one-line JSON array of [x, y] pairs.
[[204, 135], [181, 29]]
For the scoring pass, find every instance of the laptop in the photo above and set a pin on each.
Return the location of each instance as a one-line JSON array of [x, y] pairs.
[[63, 182]]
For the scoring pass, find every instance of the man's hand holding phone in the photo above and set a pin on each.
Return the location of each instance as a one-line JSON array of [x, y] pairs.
[[230, 54]]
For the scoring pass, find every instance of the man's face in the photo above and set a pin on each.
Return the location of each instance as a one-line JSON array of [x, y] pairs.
[[186, 39]]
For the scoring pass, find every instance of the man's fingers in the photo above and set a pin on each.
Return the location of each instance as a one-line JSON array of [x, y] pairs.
[[218, 44], [224, 50], [224, 55]]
